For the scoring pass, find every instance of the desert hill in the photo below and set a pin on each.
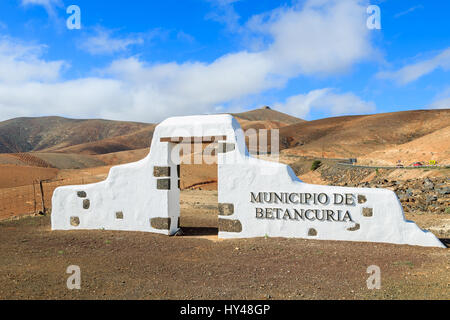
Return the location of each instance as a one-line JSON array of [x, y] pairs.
[[131, 141], [53, 133], [91, 137], [409, 136], [356, 136], [267, 114], [433, 146]]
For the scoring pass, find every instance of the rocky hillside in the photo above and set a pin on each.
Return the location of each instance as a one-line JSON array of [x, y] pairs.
[[419, 190]]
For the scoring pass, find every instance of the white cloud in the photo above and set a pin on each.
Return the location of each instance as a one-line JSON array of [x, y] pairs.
[[185, 37], [49, 5], [441, 101], [103, 42], [326, 100], [21, 63], [89, 97], [224, 13], [316, 39], [398, 15], [323, 37], [414, 71]]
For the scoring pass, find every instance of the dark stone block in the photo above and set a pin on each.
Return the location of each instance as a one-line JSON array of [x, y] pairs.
[[86, 204], [161, 171], [312, 232], [367, 212], [226, 209], [160, 223], [81, 194], [74, 221], [361, 199], [163, 184], [355, 227], [119, 215], [226, 225]]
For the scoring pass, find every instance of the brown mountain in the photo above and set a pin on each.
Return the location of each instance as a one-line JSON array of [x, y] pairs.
[[354, 136], [385, 137], [267, 114], [131, 141], [56, 133]]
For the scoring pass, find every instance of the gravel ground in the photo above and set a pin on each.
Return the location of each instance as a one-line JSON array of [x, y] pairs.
[[133, 265]]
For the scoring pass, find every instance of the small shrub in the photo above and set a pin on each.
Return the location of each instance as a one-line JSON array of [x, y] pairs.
[[404, 263], [315, 165]]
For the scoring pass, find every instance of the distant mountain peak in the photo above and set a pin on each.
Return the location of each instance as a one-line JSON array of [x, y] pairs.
[[266, 113]]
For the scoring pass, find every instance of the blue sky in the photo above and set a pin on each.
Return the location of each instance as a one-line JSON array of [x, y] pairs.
[[148, 60]]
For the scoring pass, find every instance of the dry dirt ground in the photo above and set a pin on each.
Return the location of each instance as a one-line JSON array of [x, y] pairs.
[[133, 265]]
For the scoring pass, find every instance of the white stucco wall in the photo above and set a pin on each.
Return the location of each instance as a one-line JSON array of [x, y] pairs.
[[132, 190]]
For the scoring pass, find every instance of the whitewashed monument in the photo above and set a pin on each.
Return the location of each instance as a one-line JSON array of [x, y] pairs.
[[257, 198]]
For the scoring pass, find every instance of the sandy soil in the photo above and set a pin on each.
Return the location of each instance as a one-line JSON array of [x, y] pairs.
[[14, 176], [434, 146], [133, 265]]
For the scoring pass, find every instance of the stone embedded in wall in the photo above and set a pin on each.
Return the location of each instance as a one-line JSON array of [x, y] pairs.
[[86, 204], [312, 232], [81, 194], [362, 199], [225, 147], [119, 215], [161, 171], [227, 225], [226, 209], [74, 221], [367, 212], [160, 223], [163, 184], [355, 227]]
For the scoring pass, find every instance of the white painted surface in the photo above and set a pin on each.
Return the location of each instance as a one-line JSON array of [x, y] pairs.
[[131, 189]]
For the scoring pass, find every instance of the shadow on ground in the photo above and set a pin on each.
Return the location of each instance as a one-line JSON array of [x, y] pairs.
[[446, 242], [200, 231]]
